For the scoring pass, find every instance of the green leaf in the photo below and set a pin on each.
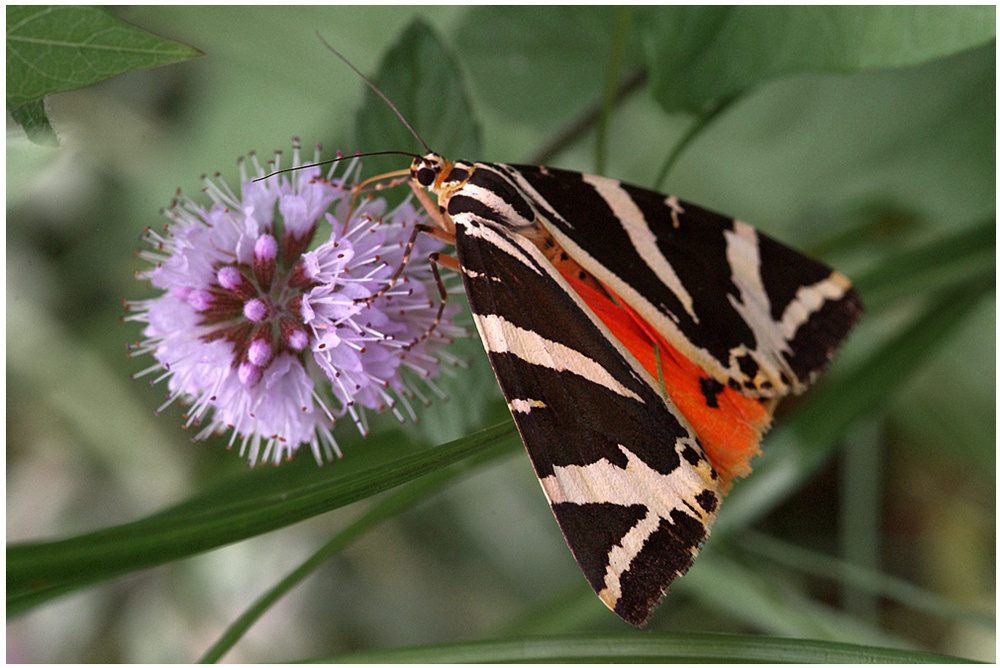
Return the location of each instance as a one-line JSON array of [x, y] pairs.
[[701, 57], [422, 78], [686, 648], [540, 65], [39, 571], [32, 117], [50, 49]]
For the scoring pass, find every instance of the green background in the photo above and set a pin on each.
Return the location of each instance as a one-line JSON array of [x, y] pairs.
[[880, 146]]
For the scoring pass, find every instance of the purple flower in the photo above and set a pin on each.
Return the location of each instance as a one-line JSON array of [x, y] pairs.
[[273, 340]]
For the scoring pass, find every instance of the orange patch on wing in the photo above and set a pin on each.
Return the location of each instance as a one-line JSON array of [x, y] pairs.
[[728, 424]]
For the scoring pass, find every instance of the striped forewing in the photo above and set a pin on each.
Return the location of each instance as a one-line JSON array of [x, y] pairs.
[[754, 313], [627, 480]]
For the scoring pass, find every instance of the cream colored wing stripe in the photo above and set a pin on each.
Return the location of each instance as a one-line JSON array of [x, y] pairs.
[[641, 236], [809, 299], [501, 336], [525, 405], [636, 484], [492, 237]]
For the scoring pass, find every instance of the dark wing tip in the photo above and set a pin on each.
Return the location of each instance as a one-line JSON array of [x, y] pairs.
[[817, 340]]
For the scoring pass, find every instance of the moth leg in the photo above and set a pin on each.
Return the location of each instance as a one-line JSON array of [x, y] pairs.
[[435, 259], [448, 261], [452, 263], [436, 212], [391, 283], [443, 231]]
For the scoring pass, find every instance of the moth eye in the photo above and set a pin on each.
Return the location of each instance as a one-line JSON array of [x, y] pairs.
[[426, 176]]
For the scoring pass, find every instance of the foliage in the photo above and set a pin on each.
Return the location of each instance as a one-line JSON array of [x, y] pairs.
[[50, 49], [877, 154]]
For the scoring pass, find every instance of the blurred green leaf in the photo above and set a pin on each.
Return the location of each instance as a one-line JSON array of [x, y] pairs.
[[422, 78], [567, 612], [50, 49], [39, 571], [700, 57], [386, 509], [540, 65], [632, 647], [32, 117], [947, 414]]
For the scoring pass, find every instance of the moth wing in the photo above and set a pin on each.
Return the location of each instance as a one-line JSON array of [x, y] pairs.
[[757, 315], [627, 480]]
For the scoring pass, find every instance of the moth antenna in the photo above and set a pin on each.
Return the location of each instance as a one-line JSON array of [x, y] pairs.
[[377, 91], [333, 160]]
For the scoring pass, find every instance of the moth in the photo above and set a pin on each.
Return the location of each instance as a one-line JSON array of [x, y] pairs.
[[641, 343]]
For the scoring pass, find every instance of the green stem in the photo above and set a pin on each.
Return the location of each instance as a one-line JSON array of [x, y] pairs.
[[623, 22], [693, 131]]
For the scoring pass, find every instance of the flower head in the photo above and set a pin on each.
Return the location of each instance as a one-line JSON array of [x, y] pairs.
[[279, 311]]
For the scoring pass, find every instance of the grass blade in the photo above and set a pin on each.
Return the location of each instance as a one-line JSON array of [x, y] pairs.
[[39, 571], [386, 509], [687, 648], [787, 555]]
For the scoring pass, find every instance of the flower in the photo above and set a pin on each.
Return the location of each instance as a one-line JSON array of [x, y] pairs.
[[265, 336]]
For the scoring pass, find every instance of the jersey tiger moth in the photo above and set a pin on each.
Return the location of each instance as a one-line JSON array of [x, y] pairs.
[[641, 342]]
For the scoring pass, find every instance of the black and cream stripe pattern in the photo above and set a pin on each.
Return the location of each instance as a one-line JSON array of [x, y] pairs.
[[625, 474], [754, 313], [626, 478]]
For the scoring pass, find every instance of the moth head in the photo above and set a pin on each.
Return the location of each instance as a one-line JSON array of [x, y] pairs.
[[427, 170]]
